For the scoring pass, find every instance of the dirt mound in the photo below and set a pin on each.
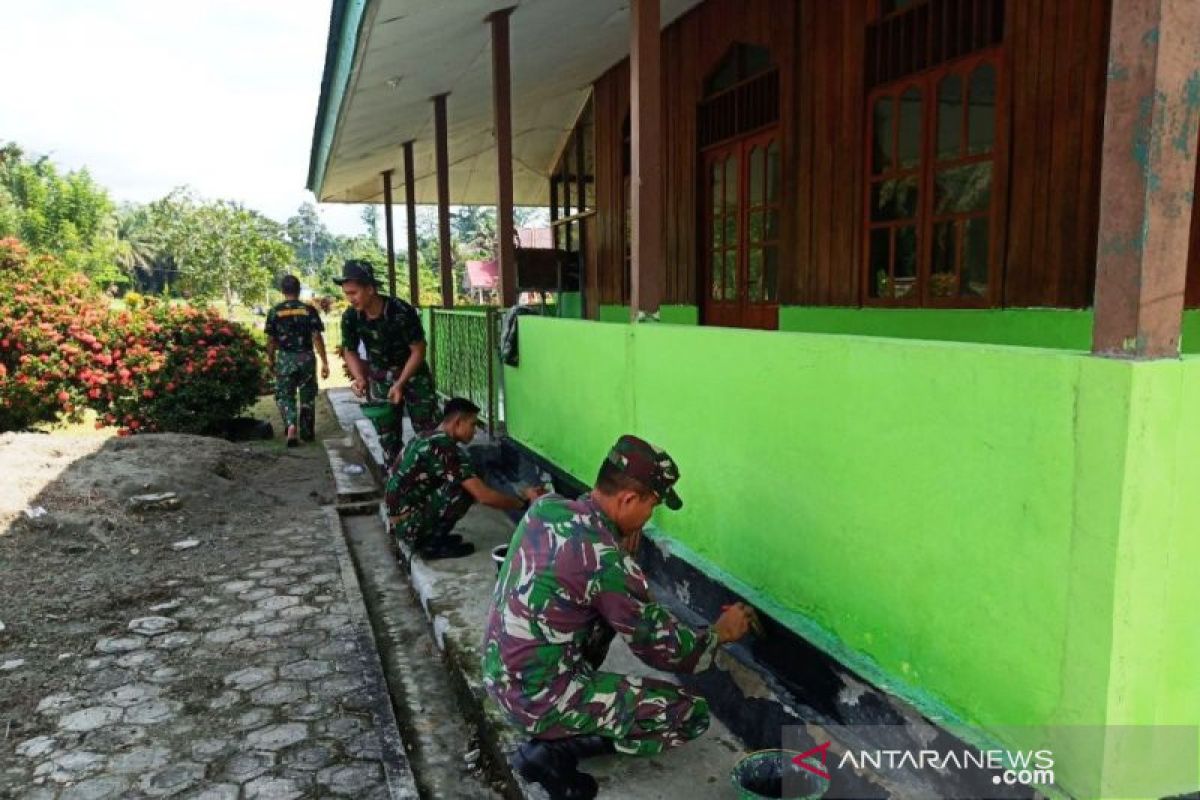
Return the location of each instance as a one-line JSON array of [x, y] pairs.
[[69, 574]]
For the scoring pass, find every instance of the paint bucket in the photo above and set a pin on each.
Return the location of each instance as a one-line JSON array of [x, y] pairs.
[[381, 413], [499, 553], [771, 774]]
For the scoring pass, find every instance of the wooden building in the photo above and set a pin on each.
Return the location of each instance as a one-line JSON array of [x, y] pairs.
[[919, 154], [899, 191]]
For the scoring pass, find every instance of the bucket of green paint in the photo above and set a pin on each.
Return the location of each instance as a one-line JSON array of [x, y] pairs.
[[774, 775], [381, 413]]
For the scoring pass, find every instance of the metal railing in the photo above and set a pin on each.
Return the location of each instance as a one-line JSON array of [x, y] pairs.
[[465, 359]]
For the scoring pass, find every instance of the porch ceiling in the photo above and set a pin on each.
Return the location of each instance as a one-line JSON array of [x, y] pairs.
[[406, 51]]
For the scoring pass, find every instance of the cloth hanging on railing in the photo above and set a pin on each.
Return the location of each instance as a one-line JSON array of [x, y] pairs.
[[509, 352]]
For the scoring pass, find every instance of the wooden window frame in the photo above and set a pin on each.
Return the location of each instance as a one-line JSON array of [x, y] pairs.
[[928, 81]]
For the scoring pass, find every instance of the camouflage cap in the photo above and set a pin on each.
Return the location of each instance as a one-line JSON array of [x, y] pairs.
[[649, 466], [356, 270]]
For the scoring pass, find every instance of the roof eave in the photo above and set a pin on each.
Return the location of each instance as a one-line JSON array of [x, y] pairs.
[[345, 27]]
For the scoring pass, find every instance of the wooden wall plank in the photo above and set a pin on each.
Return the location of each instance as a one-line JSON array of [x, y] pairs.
[[1059, 176], [1088, 197], [1045, 54], [803, 283], [1022, 63], [1192, 294]]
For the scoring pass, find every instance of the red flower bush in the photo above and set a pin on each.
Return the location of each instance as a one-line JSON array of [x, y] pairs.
[[158, 367]]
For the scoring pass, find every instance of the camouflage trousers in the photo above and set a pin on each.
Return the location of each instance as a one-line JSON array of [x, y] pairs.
[[438, 515], [296, 375], [421, 401], [644, 716]]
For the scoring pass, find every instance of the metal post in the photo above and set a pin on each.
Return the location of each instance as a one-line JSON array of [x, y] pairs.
[[387, 221], [1147, 177], [410, 210], [441, 136]]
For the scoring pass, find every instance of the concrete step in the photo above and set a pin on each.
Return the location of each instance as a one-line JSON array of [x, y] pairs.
[[352, 477], [366, 439], [439, 738]]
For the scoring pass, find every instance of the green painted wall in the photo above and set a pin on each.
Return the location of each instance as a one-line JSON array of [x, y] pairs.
[[1002, 535], [570, 305], [1054, 328], [679, 315], [613, 313], [1191, 331], [673, 314], [1062, 329]]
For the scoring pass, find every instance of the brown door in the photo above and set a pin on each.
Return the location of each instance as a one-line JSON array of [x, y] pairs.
[[742, 216]]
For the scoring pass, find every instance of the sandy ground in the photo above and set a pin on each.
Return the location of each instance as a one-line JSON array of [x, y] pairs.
[[72, 575]]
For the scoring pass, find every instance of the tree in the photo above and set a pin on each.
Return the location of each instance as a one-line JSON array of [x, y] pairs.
[[66, 215], [370, 218], [220, 248], [310, 240], [474, 232], [141, 251]]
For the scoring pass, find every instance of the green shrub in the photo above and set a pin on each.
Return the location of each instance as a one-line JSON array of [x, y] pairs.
[[153, 367]]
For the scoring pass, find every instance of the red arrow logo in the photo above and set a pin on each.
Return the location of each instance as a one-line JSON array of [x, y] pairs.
[[819, 751]]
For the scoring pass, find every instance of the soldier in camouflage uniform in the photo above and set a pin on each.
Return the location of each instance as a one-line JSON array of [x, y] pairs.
[[292, 329], [434, 483], [568, 586], [395, 369]]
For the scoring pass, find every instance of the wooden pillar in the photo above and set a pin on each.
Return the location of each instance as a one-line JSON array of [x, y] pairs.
[[646, 179], [581, 251], [1147, 177], [502, 110], [387, 223], [410, 213], [442, 149]]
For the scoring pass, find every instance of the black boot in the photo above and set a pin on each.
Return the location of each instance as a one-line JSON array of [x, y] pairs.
[[446, 548], [555, 769], [554, 763], [584, 746]]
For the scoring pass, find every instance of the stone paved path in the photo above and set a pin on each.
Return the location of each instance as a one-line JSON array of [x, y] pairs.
[[241, 685]]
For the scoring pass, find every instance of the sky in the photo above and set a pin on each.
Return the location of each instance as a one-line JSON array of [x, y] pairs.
[[219, 95]]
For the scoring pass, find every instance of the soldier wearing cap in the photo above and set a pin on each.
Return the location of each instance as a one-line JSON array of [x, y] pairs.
[[395, 369], [292, 329], [568, 586], [434, 483]]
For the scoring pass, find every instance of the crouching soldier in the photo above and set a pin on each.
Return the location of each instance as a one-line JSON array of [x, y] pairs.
[[568, 583], [433, 483]]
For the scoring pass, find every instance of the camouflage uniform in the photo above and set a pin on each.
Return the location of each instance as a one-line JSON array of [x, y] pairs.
[[292, 325], [388, 339], [564, 590], [425, 489]]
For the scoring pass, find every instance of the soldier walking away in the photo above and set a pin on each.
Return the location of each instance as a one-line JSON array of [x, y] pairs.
[[395, 370], [568, 586], [293, 329], [434, 483]]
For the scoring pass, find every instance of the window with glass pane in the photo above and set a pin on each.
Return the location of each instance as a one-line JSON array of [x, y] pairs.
[[894, 191], [930, 193], [962, 178]]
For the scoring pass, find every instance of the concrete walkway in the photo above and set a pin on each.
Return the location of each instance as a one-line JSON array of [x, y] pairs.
[[261, 682]]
